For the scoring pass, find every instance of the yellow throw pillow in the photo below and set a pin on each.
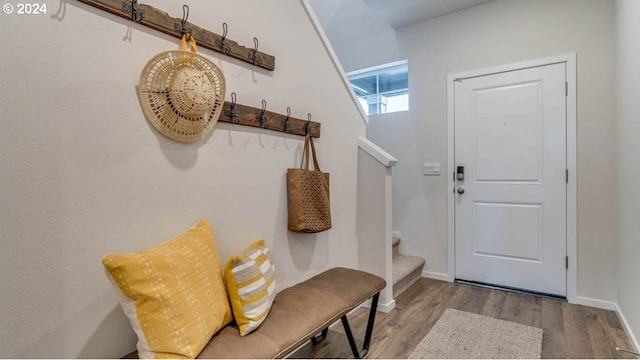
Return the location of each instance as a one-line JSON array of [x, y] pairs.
[[251, 282], [175, 294]]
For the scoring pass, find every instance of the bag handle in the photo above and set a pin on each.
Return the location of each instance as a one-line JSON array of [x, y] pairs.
[[304, 160], [192, 43], [313, 151], [308, 142]]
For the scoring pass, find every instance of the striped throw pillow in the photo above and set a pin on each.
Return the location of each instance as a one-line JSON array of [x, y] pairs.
[[251, 283]]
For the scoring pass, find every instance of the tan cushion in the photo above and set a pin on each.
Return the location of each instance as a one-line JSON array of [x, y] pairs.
[[298, 313]]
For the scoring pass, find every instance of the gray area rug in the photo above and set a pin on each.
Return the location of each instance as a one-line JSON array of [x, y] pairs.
[[463, 335]]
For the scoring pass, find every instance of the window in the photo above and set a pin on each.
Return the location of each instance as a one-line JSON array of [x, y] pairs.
[[382, 89]]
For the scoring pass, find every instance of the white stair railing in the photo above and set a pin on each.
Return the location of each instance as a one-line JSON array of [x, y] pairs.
[[374, 216]]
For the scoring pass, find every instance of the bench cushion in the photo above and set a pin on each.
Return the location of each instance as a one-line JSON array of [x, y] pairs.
[[297, 314]]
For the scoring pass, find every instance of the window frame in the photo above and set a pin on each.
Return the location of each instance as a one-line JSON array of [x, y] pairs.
[[376, 71]]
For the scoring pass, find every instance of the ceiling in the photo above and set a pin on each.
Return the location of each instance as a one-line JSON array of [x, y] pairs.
[[401, 13]]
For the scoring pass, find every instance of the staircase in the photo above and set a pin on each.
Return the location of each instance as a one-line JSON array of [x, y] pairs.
[[407, 269]]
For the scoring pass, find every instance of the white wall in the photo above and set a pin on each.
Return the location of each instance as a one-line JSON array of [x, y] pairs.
[[83, 174], [628, 93], [497, 33], [359, 37]]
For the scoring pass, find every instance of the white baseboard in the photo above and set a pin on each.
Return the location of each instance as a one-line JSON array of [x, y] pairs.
[[396, 234], [296, 349], [437, 276], [309, 341], [627, 329], [601, 304], [385, 308]]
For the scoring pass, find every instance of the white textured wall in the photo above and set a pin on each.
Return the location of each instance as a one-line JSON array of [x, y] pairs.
[[83, 174], [503, 32], [359, 37], [628, 93]]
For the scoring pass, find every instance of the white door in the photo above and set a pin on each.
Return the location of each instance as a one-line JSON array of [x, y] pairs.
[[510, 209]]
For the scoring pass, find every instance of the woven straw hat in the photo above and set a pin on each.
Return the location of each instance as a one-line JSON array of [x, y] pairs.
[[182, 93]]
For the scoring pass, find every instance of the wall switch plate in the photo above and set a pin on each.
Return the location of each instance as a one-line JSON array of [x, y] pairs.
[[431, 169]]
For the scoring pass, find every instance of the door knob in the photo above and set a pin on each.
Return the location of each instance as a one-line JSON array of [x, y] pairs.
[[460, 190]]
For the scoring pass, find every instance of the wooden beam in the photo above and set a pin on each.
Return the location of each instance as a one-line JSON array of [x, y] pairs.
[[248, 116], [161, 21]]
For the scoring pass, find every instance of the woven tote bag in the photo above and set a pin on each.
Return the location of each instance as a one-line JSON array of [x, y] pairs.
[[308, 190]]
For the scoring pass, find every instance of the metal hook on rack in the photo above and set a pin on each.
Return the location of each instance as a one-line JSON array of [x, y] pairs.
[[253, 55], [224, 31], [285, 124], [182, 26], [307, 126], [185, 16], [137, 14], [261, 117], [231, 111], [224, 47]]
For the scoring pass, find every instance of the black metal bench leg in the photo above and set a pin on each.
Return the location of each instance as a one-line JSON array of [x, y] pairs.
[[367, 337], [372, 318], [352, 342], [319, 338]]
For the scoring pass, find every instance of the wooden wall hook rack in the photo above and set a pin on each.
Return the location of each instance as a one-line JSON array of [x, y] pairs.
[[159, 20], [249, 116]]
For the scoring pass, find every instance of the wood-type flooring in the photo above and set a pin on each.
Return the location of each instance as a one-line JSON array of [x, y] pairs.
[[570, 331]]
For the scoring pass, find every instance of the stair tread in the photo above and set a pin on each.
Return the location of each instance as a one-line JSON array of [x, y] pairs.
[[395, 247], [404, 265], [395, 241]]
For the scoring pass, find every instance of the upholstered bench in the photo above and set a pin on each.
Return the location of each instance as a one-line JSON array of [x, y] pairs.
[[300, 313], [180, 304]]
